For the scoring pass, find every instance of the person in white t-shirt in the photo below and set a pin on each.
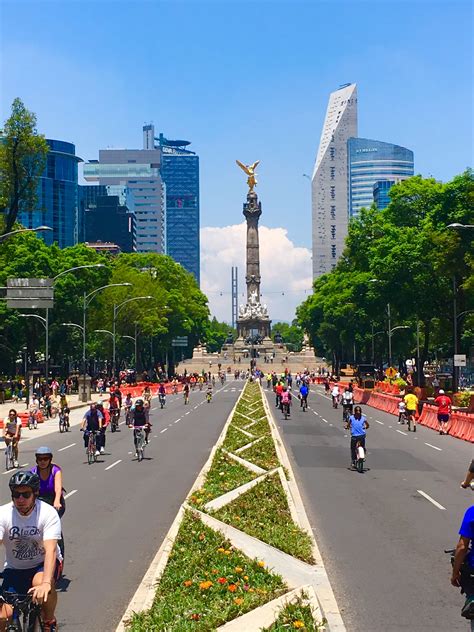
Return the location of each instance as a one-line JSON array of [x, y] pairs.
[[335, 395], [29, 531]]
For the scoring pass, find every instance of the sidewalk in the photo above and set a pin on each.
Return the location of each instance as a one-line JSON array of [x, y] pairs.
[[73, 401]]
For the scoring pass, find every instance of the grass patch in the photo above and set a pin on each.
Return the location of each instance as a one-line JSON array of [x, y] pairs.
[[239, 420], [263, 512], [262, 454], [223, 476], [261, 428], [235, 439], [205, 584], [295, 616]]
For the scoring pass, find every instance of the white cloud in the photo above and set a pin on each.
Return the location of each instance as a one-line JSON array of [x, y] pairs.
[[284, 267]]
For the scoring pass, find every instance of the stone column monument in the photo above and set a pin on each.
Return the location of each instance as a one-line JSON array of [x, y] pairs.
[[253, 322]]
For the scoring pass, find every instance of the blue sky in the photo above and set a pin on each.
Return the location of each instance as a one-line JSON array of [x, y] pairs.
[[247, 80]]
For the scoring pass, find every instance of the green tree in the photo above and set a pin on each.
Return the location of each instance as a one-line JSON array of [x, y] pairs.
[[22, 160], [216, 334], [292, 335]]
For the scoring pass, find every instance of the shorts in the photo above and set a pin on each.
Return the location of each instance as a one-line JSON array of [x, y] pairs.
[[410, 413], [443, 417], [20, 580]]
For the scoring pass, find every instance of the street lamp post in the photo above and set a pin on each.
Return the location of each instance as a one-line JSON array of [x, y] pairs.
[[86, 301], [116, 310], [45, 323], [25, 230]]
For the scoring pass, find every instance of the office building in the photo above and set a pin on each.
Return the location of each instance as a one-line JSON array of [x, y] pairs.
[[137, 173], [329, 180], [57, 205], [110, 221], [87, 195], [180, 173], [381, 193], [371, 161]]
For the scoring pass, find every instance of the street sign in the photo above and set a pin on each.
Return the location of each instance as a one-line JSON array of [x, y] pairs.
[[459, 359], [30, 293], [390, 372], [180, 341]]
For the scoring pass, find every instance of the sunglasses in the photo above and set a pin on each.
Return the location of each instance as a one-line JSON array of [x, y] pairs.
[[26, 495], [43, 458]]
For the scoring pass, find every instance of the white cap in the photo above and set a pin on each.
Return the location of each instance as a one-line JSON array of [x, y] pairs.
[[441, 392]]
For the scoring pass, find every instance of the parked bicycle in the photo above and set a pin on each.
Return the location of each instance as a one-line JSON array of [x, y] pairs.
[[26, 616]]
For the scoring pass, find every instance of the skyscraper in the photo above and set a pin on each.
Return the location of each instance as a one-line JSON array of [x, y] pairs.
[[57, 205], [370, 161], [180, 173], [110, 221], [329, 181], [137, 171]]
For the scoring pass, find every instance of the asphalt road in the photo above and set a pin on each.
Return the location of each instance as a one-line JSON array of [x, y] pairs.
[[119, 510], [381, 539]]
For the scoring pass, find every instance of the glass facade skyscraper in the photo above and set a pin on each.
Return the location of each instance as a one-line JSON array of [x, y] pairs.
[[370, 161], [57, 197]]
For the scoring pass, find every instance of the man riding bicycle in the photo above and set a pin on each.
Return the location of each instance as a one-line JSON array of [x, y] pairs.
[[162, 394], [92, 422], [335, 395], [114, 407], [357, 424], [139, 420], [285, 401], [30, 530], [186, 392], [304, 390], [12, 433], [347, 403]]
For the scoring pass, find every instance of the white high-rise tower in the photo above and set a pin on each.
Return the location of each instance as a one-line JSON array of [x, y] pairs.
[[329, 183]]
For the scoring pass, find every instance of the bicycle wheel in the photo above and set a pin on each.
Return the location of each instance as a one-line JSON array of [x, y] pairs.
[[61, 425], [360, 465], [91, 451], [33, 621]]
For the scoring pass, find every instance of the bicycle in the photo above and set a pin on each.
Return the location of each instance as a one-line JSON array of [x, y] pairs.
[[139, 441], [360, 457], [114, 420], [128, 414], [186, 398], [92, 447], [346, 413], [9, 457], [304, 403], [162, 399], [209, 397], [26, 616], [63, 422], [285, 406], [32, 423]]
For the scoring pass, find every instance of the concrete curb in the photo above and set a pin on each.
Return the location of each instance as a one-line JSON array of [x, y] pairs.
[[248, 445], [265, 615], [225, 499], [250, 466]]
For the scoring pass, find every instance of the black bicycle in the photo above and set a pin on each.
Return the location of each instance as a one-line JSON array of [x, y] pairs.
[[26, 615], [63, 421], [114, 420]]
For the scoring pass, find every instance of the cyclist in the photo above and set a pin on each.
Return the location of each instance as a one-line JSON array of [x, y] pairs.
[[304, 390], [51, 479], [162, 394], [335, 395], [12, 433], [278, 392], [209, 392], [92, 422], [285, 400], [444, 409], [114, 406], [411, 403], [347, 403], [357, 424], [139, 420], [402, 409], [30, 530], [463, 563], [186, 392], [64, 408], [128, 403]]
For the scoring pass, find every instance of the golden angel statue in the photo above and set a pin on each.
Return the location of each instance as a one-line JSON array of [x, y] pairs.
[[250, 171]]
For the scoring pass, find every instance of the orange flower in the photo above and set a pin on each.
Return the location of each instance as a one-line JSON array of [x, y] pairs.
[[238, 569], [222, 580], [238, 601], [195, 617], [232, 587], [205, 585], [298, 624], [214, 571], [202, 536], [188, 582], [227, 552], [261, 564], [246, 577]]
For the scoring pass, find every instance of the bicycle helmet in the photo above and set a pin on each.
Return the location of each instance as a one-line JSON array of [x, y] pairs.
[[23, 478], [139, 402], [440, 392], [44, 451]]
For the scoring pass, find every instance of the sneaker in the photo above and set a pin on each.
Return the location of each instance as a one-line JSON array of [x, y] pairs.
[[97, 453], [50, 626], [414, 428], [15, 464], [102, 450]]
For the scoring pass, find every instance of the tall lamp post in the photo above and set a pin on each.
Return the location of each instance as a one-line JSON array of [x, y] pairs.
[[38, 229], [86, 301], [45, 323], [117, 308], [456, 226]]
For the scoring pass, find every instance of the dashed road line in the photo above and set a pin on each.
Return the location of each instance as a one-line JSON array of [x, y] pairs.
[[403, 433], [177, 420], [164, 430], [379, 422], [69, 494], [188, 412], [113, 465], [325, 420], [66, 447], [434, 447], [431, 500]]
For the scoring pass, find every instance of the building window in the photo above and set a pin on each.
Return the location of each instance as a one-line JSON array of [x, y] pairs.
[[333, 251], [333, 231], [333, 173], [332, 152], [333, 212], [333, 192]]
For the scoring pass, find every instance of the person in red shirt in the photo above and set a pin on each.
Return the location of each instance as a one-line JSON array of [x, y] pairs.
[[444, 409], [278, 392]]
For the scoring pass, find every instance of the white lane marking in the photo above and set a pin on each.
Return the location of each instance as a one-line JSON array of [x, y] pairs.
[[177, 421], [113, 465], [24, 465], [390, 426], [403, 433], [433, 446], [130, 452], [121, 423], [164, 430], [154, 437], [379, 422], [325, 420], [330, 424], [187, 412], [69, 494], [66, 447], [432, 500]]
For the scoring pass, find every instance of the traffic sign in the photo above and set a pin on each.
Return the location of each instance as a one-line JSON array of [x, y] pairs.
[[391, 372], [30, 293], [459, 359], [180, 341]]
